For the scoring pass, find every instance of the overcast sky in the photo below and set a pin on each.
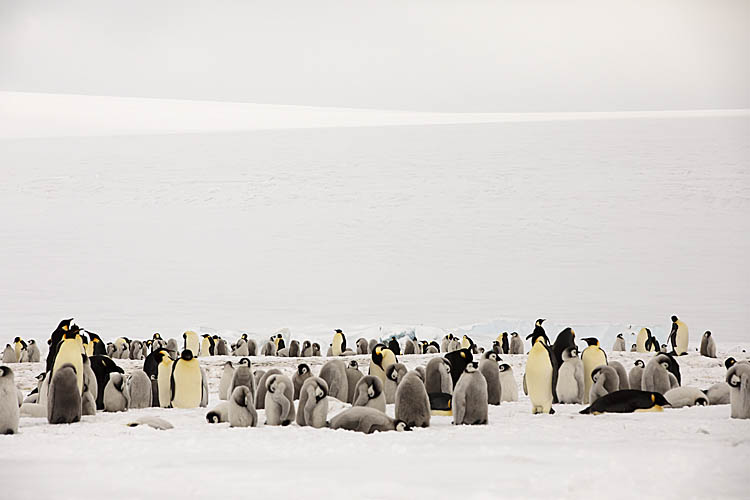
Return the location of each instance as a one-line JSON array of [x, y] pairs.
[[432, 55]]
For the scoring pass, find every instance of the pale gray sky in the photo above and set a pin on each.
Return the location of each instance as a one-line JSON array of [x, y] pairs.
[[431, 55]]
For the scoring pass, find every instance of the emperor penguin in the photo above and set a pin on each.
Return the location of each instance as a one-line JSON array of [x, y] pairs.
[[371, 344], [34, 354], [438, 376], [138, 390], [645, 342], [458, 360], [88, 401], [9, 408], [565, 340], [90, 383], [220, 413], [570, 384], [362, 346], [656, 375], [252, 347], [738, 378], [221, 347], [172, 348], [619, 343], [207, 345], [540, 376], [70, 351], [243, 375], [719, 394], [369, 392], [466, 342], [680, 397], [278, 340], [122, 348], [636, 374], [470, 404], [19, 345], [103, 367], [339, 343], [393, 375], [412, 402], [114, 394], [634, 348], [509, 389], [313, 403], [225, 383], [628, 401], [186, 381], [367, 420], [394, 346], [679, 336], [164, 378], [241, 349], [592, 356], [708, 345], [54, 341], [505, 343], [191, 342], [136, 350], [410, 347], [334, 373], [352, 377], [445, 342], [63, 397], [260, 394], [622, 374], [306, 349], [431, 349], [268, 349], [300, 375], [382, 358], [605, 380], [516, 344], [489, 369], [279, 400], [294, 349], [9, 354], [242, 411]]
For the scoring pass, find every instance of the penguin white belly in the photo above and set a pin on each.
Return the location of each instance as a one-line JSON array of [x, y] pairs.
[[591, 359], [640, 342], [205, 348], [70, 352], [188, 384], [682, 338], [193, 345], [162, 381], [539, 379], [567, 385]]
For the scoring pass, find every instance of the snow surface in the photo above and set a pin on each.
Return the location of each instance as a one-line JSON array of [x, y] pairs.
[[694, 452]]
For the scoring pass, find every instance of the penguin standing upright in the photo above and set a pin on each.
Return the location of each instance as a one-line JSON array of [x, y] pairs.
[[334, 373], [412, 402], [636, 374], [313, 403], [243, 375], [458, 360], [186, 381], [54, 341], [279, 400], [516, 344], [645, 342], [738, 378], [300, 375], [566, 339], [505, 343], [438, 376], [70, 351], [509, 389], [63, 397], [226, 380], [207, 345], [593, 356], [9, 412], [679, 336], [339, 343], [619, 343], [191, 342], [489, 369], [352, 376], [540, 376], [34, 354], [470, 404], [708, 345], [570, 384], [19, 345]]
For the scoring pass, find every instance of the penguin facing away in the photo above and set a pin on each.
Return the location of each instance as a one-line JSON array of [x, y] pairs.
[[738, 378], [438, 376], [622, 374], [334, 373], [489, 369], [313, 403], [225, 382]]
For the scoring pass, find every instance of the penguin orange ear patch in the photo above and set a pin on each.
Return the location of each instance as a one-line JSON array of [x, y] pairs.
[[653, 398], [463, 354]]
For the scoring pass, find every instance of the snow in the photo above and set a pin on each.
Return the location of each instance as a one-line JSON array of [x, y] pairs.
[[694, 452]]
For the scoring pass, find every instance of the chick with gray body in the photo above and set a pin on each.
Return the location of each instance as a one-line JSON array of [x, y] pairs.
[[225, 384], [488, 367], [621, 373], [412, 402], [89, 380], [655, 376], [738, 378], [516, 344], [619, 343], [367, 420], [114, 396], [719, 394], [260, 395], [268, 349], [636, 375], [708, 345], [300, 375], [605, 380], [362, 346], [9, 408], [410, 347], [64, 397], [294, 349], [257, 375], [369, 393], [371, 345], [680, 397], [172, 348], [242, 408], [279, 400], [438, 376], [334, 373], [313, 403], [222, 349], [220, 413], [570, 383], [138, 391], [306, 350], [88, 401], [352, 377], [470, 404], [508, 387], [9, 354], [34, 354], [136, 349], [393, 375], [243, 375], [240, 348]]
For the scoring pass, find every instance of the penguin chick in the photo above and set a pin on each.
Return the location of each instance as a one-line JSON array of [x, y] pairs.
[[260, 395], [369, 393], [470, 404], [63, 397], [367, 420], [489, 369], [718, 394], [352, 377], [279, 400], [219, 414], [655, 376], [509, 389], [362, 346], [438, 376], [570, 384], [622, 374], [114, 398], [9, 408], [138, 390], [393, 375], [680, 397], [605, 380], [334, 373], [738, 378], [708, 345], [243, 375], [619, 343], [242, 408], [225, 383], [300, 375], [313, 403], [516, 344], [636, 374], [412, 402]]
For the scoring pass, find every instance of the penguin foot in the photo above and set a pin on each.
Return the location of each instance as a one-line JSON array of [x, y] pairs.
[[551, 411], [285, 423]]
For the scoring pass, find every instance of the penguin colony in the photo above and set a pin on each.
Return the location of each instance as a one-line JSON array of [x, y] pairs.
[[463, 379]]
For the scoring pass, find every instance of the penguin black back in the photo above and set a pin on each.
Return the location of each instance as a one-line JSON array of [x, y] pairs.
[[458, 360], [102, 366], [394, 346], [565, 339], [626, 401], [54, 341]]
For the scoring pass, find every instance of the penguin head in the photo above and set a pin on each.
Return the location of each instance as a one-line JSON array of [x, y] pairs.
[[245, 361], [619, 336], [658, 399], [353, 364], [70, 335], [5, 371], [228, 364], [514, 334], [595, 373], [186, 355], [569, 353], [321, 391], [471, 367], [337, 331], [707, 334], [377, 354], [663, 360], [302, 368], [639, 363], [539, 322], [243, 336], [674, 319], [65, 324], [491, 355], [41, 376], [504, 367], [213, 417], [730, 362], [155, 336], [17, 339], [591, 341], [402, 426], [305, 344], [271, 384], [391, 373]]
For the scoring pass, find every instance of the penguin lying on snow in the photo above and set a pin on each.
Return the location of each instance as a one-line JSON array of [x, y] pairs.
[[686, 396], [628, 401], [219, 414], [367, 420]]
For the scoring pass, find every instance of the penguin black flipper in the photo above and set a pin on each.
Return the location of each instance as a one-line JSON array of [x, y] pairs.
[[212, 346], [555, 371], [171, 381]]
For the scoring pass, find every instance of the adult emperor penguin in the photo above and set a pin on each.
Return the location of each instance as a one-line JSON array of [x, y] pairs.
[[164, 377], [565, 340], [393, 376], [382, 358], [678, 337], [592, 356], [708, 345], [605, 380], [570, 384], [367, 420], [313, 403], [509, 389], [738, 378], [186, 381], [225, 383], [70, 351], [412, 402], [242, 411], [470, 406], [352, 377], [505, 343], [645, 342], [191, 342], [96, 346], [339, 343], [438, 376], [19, 345], [369, 392], [207, 345], [114, 394], [63, 397], [489, 369], [619, 343], [394, 346], [458, 360], [9, 412], [628, 401], [541, 373], [301, 374], [54, 342], [279, 400], [636, 374], [516, 344]]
